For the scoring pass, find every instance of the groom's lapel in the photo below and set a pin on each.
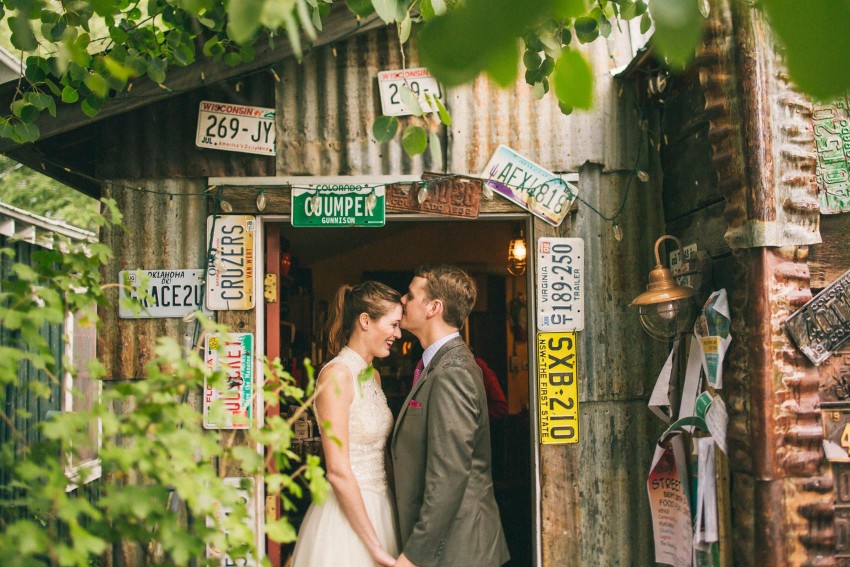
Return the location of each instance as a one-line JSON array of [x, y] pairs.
[[413, 391]]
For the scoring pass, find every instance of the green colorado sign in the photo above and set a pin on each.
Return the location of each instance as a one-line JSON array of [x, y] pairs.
[[339, 205]]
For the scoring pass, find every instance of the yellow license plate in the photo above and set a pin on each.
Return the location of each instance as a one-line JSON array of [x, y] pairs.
[[557, 387]]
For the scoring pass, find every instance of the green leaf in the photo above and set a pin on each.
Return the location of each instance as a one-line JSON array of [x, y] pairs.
[[573, 80], [385, 128], [24, 110], [645, 22], [410, 100], [414, 140], [502, 67], [390, 10], [604, 28], [70, 95], [586, 28], [678, 29], [445, 117], [23, 37], [439, 7], [91, 105], [404, 29], [477, 29], [156, 70], [816, 43], [26, 132], [360, 8], [97, 84], [244, 19]]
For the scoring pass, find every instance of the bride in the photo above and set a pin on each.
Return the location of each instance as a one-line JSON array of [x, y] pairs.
[[355, 525]]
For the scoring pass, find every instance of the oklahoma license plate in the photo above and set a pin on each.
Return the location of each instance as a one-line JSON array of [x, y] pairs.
[[560, 288]]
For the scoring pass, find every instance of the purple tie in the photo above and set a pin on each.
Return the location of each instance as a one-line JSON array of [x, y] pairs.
[[417, 372]]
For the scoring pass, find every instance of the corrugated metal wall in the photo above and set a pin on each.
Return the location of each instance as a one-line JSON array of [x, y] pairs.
[[326, 106]]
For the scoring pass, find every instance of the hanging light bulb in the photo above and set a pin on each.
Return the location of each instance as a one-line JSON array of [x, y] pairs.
[[262, 200], [226, 207], [190, 316], [487, 192], [517, 253], [643, 176], [422, 196]]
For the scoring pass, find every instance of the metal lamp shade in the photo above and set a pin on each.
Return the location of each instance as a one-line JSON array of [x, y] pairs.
[[665, 309]]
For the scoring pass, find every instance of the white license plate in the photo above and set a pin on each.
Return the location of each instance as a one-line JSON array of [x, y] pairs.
[[168, 293], [420, 81], [560, 284], [236, 128]]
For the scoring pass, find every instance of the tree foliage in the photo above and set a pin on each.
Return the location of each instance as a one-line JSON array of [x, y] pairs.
[[161, 489], [82, 52], [30, 190]]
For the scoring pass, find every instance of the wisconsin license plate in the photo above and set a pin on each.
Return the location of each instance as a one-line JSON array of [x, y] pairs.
[[236, 128]]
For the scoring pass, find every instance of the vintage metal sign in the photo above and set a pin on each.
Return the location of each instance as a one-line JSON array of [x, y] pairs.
[[823, 324], [831, 125], [339, 205], [232, 407], [236, 128], [557, 388], [453, 196], [539, 191], [169, 293], [247, 499], [560, 287], [420, 82], [836, 435], [230, 267]]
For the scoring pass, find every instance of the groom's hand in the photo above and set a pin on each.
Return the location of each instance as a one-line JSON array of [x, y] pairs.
[[403, 561]]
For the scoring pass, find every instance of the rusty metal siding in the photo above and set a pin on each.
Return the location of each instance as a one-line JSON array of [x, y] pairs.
[[162, 233], [327, 104], [158, 141]]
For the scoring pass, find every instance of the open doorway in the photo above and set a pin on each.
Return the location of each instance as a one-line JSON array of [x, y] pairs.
[[313, 263]]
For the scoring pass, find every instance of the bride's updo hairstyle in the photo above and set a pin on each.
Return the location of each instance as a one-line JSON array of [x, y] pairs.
[[372, 298]]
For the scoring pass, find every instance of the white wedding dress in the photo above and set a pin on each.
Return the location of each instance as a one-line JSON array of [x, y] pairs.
[[326, 538]]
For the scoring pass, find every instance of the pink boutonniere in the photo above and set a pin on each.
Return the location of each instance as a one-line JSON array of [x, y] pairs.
[[414, 404]]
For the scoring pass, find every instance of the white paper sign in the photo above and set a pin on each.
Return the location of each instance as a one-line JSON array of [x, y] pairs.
[[668, 502], [659, 401], [712, 332]]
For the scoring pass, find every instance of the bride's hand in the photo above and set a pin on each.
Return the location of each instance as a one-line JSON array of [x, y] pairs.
[[383, 558]]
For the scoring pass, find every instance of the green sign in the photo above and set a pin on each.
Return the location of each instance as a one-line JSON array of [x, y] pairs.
[[831, 124], [339, 205]]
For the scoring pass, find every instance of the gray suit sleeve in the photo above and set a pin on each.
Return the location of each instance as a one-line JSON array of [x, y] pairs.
[[452, 423]]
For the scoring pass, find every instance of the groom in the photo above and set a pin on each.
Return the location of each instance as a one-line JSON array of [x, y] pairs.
[[447, 512]]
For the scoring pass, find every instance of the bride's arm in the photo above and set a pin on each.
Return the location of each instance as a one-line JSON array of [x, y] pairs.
[[333, 404]]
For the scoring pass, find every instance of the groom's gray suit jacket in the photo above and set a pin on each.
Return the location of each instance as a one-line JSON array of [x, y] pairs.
[[447, 513]]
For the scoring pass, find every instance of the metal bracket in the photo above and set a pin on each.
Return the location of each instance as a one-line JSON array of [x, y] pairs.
[[270, 288]]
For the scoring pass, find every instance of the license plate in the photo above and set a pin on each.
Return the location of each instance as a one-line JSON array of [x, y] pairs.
[[557, 387], [170, 293], [339, 205], [236, 128], [560, 287], [455, 196], [234, 354], [230, 267], [420, 80]]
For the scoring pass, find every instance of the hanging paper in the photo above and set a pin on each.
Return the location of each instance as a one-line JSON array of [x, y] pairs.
[[705, 531], [712, 330], [668, 503], [659, 402]]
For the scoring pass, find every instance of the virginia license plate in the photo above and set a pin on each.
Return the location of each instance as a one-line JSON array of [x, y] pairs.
[[560, 287]]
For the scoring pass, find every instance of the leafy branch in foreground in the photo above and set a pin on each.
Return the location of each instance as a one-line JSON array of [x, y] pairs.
[[161, 489]]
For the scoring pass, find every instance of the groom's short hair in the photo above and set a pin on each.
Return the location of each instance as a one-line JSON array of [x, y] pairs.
[[453, 286]]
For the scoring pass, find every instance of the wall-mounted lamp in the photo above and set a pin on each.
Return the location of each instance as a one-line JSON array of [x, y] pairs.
[[517, 253], [665, 309]]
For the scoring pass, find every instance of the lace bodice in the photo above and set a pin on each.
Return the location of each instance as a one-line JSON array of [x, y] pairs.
[[369, 424]]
